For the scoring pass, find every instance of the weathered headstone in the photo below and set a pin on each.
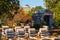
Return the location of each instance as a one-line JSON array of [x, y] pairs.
[[9, 33]]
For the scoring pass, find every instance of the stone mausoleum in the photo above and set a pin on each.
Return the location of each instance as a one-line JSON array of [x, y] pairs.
[[40, 16]]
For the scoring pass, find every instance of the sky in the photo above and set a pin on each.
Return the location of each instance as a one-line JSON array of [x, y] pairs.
[[32, 3]]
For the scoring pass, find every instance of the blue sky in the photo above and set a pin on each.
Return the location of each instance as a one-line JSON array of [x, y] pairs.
[[32, 3]]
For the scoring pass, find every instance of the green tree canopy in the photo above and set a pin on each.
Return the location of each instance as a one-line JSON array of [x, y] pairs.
[[8, 5], [54, 5], [34, 9]]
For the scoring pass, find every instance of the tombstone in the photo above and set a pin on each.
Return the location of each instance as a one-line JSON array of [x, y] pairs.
[[39, 16], [43, 32], [20, 33], [9, 33], [32, 33], [4, 28], [26, 28], [17, 27]]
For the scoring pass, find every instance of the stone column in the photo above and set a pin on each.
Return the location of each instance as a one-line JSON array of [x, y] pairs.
[[50, 22]]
